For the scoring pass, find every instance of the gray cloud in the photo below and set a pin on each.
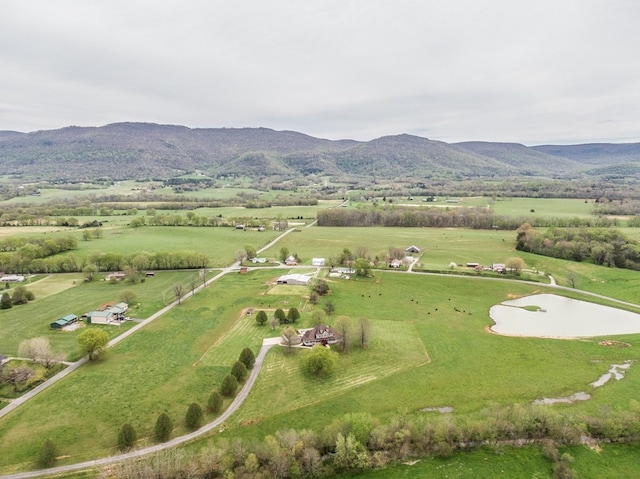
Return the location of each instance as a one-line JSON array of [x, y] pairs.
[[498, 70]]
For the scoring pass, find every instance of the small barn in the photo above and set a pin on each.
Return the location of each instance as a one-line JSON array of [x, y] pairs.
[[294, 279], [64, 321], [116, 276], [317, 262], [412, 249], [291, 261], [12, 278]]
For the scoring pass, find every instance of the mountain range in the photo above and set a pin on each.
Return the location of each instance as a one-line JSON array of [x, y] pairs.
[[144, 151]]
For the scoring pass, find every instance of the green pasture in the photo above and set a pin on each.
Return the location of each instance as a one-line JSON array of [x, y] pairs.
[[429, 348], [221, 244], [59, 295], [441, 246], [271, 213], [429, 345], [469, 368], [610, 461], [485, 463], [543, 207]]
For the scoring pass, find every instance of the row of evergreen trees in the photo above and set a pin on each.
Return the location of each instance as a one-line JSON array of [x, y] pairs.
[[127, 435]]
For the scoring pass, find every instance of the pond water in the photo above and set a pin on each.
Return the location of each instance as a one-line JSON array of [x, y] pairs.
[[552, 316]]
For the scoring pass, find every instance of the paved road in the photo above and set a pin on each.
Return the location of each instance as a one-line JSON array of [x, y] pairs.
[[238, 400]]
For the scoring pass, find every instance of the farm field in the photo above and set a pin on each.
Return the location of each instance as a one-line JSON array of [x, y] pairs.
[[439, 246], [543, 207], [419, 343], [429, 346], [220, 244]]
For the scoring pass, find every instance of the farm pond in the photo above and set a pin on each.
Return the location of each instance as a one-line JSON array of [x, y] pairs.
[[552, 316]]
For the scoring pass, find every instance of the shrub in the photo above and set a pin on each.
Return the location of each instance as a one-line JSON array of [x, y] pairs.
[[163, 428], [194, 416], [126, 437]]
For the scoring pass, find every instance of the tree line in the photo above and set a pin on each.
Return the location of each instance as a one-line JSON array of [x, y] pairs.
[[601, 246], [469, 217], [357, 442], [21, 261]]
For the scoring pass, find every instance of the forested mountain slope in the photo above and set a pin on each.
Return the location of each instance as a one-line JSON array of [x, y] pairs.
[[150, 151]]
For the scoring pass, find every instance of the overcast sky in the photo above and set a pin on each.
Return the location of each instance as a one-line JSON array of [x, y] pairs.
[[528, 71]]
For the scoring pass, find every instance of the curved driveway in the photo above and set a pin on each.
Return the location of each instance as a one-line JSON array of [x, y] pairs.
[[237, 401]]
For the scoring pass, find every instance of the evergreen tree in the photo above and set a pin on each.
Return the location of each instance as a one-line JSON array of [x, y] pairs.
[[126, 437], [248, 358], [261, 317], [48, 453], [239, 370], [194, 416], [5, 301], [280, 315], [163, 428], [229, 386], [293, 315], [215, 402]]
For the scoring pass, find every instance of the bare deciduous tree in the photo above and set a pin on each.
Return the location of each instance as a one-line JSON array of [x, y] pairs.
[[290, 338], [364, 332], [344, 327], [39, 350], [18, 375], [178, 290]]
